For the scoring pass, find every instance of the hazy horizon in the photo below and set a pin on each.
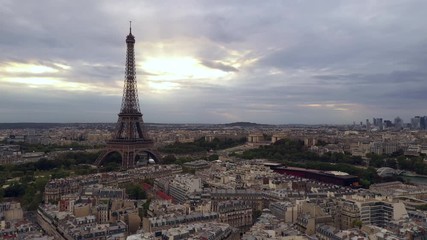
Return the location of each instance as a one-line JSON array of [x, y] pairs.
[[204, 123], [215, 62]]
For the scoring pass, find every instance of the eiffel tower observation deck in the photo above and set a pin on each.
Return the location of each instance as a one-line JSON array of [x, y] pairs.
[[130, 138]]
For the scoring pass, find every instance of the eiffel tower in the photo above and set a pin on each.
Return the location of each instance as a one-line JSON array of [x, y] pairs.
[[130, 139]]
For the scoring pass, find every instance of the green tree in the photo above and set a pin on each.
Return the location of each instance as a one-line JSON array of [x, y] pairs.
[[369, 176], [419, 167], [365, 183], [60, 173], [27, 178], [403, 163], [1, 194], [40, 183], [15, 190], [79, 157], [357, 223], [83, 170], [321, 143], [183, 160], [376, 162], [200, 145], [112, 166], [422, 207], [169, 159], [44, 164], [391, 162], [32, 198], [68, 163], [356, 160], [188, 170], [135, 191], [213, 157], [149, 181], [145, 207], [256, 214]]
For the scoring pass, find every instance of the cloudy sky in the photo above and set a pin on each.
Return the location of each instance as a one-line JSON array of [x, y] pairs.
[[214, 61]]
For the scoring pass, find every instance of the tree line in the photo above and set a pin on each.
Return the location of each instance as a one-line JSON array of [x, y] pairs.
[[294, 153], [200, 145], [26, 182]]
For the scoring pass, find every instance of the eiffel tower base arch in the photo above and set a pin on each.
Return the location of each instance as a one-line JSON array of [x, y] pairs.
[[128, 152]]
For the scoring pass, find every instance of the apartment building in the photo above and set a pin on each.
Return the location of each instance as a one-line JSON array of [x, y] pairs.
[[375, 210], [182, 186], [234, 212]]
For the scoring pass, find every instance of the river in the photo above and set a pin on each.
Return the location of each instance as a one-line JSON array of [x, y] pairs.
[[416, 180]]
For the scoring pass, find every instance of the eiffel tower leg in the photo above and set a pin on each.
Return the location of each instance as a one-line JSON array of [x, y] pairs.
[[128, 160], [131, 159], [100, 158], [125, 160], [155, 155]]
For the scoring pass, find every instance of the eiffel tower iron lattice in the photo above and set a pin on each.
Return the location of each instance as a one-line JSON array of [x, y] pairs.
[[130, 138]]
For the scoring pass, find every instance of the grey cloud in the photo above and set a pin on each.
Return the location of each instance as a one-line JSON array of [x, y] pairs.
[[372, 54], [219, 65], [396, 77], [407, 96]]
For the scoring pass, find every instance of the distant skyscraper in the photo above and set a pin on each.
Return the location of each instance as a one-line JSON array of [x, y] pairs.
[[423, 123], [398, 123], [388, 124], [378, 122], [415, 122]]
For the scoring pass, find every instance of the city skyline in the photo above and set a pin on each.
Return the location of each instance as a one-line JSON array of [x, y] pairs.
[[288, 62]]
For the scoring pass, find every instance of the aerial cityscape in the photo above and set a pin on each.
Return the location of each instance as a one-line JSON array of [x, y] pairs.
[[219, 120]]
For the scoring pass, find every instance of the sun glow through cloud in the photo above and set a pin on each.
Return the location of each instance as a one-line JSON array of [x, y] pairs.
[[332, 106], [28, 68], [169, 73], [176, 68], [63, 66], [163, 86], [53, 76], [50, 82]]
